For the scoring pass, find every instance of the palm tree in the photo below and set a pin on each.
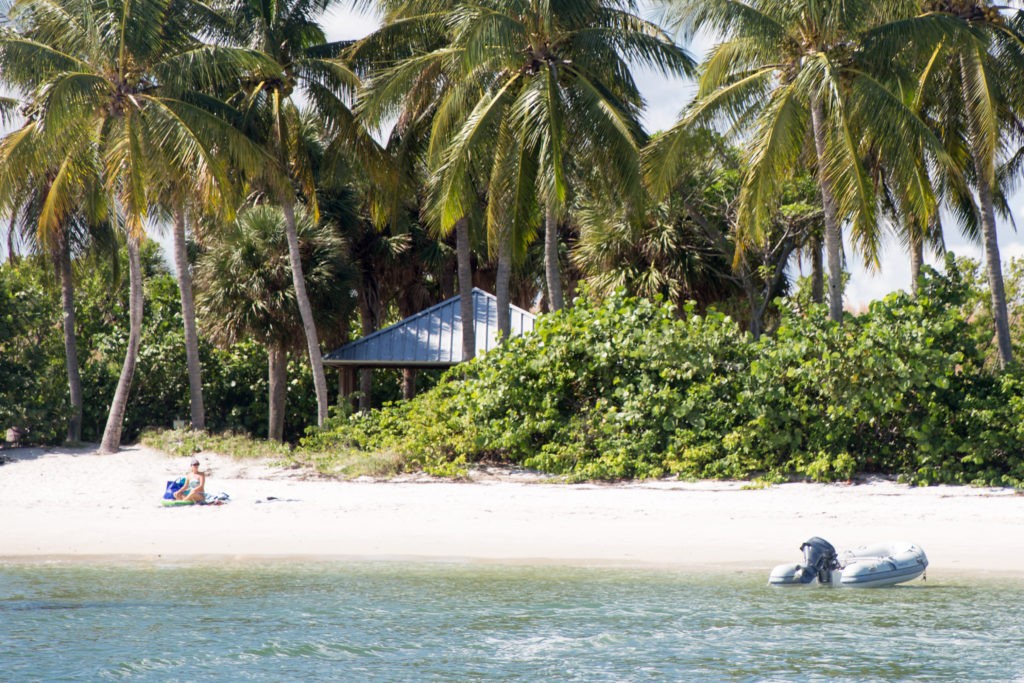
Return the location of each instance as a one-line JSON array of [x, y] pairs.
[[539, 95], [118, 79], [972, 91], [288, 34], [24, 192], [402, 82], [245, 288], [683, 247], [792, 72]]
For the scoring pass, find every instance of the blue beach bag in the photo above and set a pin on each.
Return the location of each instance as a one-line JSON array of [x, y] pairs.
[[173, 487]]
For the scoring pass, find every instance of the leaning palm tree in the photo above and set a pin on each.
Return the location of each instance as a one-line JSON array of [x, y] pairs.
[[288, 33], [121, 80], [795, 78], [245, 288]]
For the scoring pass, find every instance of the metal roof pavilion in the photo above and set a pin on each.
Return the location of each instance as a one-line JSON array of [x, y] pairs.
[[431, 338]]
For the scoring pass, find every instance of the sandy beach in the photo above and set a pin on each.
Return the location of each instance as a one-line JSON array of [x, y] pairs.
[[76, 505]]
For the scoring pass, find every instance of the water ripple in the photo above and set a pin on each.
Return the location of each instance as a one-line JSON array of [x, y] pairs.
[[391, 622]]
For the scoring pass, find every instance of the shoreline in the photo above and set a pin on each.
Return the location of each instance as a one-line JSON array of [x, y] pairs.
[[933, 578], [52, 513]]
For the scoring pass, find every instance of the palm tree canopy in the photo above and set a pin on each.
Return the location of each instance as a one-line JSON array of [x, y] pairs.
[[529, 95], [244, 280], [972, 95], [288, 33], [778, 60], [122, 86]]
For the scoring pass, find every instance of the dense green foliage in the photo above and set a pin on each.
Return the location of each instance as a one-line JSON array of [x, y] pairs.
[[513, 120], [626, 388], [33, 378], [33, 390]]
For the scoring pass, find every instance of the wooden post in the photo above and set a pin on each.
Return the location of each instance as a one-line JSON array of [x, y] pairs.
[[408, 383], [346, 384]]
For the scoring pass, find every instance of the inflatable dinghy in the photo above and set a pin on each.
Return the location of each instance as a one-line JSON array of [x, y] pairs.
[[884, 564]]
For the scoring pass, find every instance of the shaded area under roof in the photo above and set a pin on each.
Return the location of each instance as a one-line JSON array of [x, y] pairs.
[[431, 338]]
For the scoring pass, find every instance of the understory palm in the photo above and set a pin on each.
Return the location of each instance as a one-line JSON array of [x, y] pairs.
[[245, 288]]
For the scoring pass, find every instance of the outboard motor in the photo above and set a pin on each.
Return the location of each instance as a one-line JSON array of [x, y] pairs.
[[820, 558]]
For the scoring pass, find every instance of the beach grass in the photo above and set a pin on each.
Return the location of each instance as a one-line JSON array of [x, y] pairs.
[[338, 463]]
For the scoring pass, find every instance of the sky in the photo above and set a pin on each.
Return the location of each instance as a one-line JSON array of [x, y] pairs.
[[665, 100]]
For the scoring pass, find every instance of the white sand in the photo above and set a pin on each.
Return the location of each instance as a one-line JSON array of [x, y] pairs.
[[77, 505]]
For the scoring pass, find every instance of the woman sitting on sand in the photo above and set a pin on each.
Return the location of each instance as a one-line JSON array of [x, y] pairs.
[[193, 490]]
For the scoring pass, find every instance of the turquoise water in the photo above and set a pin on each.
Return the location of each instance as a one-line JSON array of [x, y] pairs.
[[398, 622]]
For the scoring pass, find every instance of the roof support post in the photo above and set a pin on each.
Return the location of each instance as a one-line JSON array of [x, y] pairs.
[[347, 386], [408, 383]]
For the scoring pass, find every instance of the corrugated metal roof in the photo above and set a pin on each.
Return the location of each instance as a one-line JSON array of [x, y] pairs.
[[432, 337]]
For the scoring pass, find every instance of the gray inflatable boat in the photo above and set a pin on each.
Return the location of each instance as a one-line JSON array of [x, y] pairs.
[[872, 566]]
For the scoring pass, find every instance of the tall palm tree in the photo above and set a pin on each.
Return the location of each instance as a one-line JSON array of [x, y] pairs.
[[792, 72], [245, 288], [403, 83], [23, 191], [972, 90], [288, 33], [539, 95], [120, 79]]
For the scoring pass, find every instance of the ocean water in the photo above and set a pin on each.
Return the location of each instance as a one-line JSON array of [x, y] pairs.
[[460, 622]]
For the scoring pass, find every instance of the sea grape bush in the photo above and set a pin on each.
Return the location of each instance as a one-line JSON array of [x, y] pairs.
[[628, 388]]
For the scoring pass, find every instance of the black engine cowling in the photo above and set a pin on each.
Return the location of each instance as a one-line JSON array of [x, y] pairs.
[[820, 557]]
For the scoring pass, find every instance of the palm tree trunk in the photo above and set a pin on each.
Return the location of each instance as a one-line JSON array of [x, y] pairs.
[[817, 272], [916, 259], [365, 389], [833, 233], [62, 256], [115, 419], [408, 383], [501, 285], [756, 314], [551, 271], [316, 361], [463, 254], [993, 265], [277, 376], [369, 319], [188, 314], [11, 259], [985, 173]]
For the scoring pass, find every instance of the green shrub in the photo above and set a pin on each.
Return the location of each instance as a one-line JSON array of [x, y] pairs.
[[626, 388]]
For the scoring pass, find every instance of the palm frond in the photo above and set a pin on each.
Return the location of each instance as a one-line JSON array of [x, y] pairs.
[[457, 193], [774, 148]]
